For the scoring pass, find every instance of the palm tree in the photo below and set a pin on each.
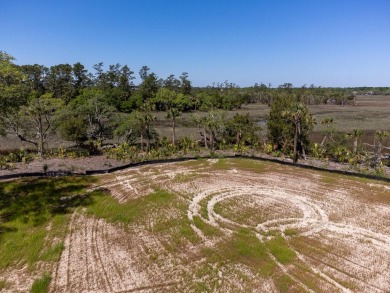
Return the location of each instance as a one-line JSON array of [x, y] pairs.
[[329, 129], [356, 134], [173, 113], [302, 120], [146, 117]]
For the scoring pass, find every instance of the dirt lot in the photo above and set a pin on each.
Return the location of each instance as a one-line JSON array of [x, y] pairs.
[[337, 229], [228, 225]]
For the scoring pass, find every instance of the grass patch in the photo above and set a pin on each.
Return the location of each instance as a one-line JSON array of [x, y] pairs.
[[106, 207], [248, 165], [243, 247], [279, 248], [207, 229], [290, 232], [28, 207], [268, 269], [329, 179], [156, 208], [220, 164], [238, 210], [182, 178], [53, 253], [3, 284], [203, 206], [284, 283], [41, 285], [35, 201]]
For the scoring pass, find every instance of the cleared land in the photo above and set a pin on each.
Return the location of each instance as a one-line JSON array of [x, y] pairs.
[[221, 225]]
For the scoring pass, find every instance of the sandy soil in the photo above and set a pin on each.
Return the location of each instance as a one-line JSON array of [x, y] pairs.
[[100, 258], [341, 231]]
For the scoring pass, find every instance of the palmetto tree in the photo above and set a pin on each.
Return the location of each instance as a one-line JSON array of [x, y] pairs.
[[376, 160], [173, 113], [302, 120], [356, 134]]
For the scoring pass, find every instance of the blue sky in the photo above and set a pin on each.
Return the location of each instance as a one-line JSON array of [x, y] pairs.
[[321, 42]]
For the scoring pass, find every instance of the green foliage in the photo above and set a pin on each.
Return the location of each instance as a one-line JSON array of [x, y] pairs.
[[35, 100], [92, 106], [74, 129], [280, 132], [16, 157], [41, 285], [123, 152], [187, 144], [289, 124], [241, 131]]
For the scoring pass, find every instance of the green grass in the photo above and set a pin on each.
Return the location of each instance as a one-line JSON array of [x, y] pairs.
[[53, 253], [106, 207], [267, 269], [41, 285], [155, 207], [242, 247], [279, 248], [3, 284], [284, 283], [21, 244], [221, 164], [207, 229], [182, 178], [329, 178], [248, 165], [28, 207], [290, 232]]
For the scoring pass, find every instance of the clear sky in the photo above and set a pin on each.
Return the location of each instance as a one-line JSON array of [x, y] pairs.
[[321, 42]]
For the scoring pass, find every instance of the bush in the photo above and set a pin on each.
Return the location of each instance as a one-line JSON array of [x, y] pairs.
[[123, 152], [74, 129]]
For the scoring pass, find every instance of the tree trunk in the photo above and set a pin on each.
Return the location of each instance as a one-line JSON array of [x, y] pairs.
[[205, 137], [355, 146], [295, 160], [40, 137], [238, 138], [173, 131], [300, 140]]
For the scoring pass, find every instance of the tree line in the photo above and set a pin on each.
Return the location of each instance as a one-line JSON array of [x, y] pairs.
[[90, 108]]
